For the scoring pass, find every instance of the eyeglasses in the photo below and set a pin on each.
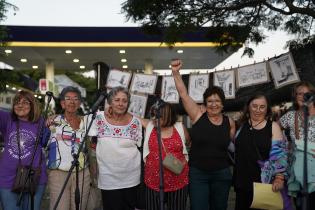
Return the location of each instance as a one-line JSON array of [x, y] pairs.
[[68, 98], [214, 102], [300, 93], [257, 107], [23, 103]]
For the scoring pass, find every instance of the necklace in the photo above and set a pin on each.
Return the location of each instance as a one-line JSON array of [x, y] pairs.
[[253, 126], [215, 120]]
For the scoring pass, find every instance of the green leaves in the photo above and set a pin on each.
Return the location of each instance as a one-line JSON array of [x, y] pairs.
[[8, 77], [177, 17]]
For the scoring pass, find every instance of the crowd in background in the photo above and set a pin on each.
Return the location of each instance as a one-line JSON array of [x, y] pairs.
[[119, 159]]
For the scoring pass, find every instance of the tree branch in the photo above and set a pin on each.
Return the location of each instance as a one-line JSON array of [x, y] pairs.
[[304, 11], [281, 11]]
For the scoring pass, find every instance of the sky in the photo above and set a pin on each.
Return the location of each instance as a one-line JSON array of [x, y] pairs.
[[108, 13]]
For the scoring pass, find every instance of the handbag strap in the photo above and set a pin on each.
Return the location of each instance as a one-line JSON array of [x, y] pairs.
[[163, 146]]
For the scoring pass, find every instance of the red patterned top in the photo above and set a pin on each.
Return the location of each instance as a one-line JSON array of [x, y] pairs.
[[172, 182]]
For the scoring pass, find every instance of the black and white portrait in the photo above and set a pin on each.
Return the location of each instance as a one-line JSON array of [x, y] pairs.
[[137, 105], [252, 74], [283, 70], [143, 83], [225, 80], [118, 78], [169, 91], [198, 83]]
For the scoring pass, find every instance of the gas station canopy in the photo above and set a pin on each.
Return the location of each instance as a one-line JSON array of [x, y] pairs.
[[33, 46]]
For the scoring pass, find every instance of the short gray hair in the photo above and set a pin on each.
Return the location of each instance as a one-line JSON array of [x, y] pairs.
[[114, 92], [69, 89]]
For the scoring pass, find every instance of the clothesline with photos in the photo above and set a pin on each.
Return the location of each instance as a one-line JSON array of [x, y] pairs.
[[282, 69]]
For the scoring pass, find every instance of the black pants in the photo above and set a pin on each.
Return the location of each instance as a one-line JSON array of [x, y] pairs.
[[175, 200], [244, 199], [120, 199], [311, 202]]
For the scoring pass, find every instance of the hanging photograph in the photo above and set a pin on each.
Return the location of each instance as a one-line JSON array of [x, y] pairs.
[[143, 83], [225, 80], [252, 75], [198, 83], [169, 91], [283, 70], [118, 78], [137, 105]]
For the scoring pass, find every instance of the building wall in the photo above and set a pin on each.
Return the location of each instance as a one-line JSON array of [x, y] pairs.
[[6, 100]]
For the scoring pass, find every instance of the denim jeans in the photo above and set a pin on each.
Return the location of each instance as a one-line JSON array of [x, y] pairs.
[[209, 190], [9, 199]]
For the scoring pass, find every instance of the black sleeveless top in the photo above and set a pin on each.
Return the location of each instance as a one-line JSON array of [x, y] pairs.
[[209, 144], [246, 168]]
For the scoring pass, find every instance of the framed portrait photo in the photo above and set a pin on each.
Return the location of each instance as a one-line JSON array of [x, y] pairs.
[[198, 83], [283, 70], [169, 92], [138, 104], [117, 78], [143, 83], [252, 75], [225, 80]]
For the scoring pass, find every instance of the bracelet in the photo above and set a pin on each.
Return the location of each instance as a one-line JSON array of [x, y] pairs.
[[280, 176], [278, 179]]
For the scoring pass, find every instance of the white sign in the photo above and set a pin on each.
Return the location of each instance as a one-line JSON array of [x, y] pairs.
[[43, 86]]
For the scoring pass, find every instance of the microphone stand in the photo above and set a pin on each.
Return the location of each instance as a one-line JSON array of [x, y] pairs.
[[305, 175], [30, 172], [75, 163], [158, 129]]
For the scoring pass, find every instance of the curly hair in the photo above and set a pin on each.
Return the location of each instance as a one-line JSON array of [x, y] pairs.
[[114, 92]]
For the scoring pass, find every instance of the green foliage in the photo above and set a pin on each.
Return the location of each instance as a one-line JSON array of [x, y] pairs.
[[8, 77], [34, 74], [76, 76], [178, 17], [4, 7]]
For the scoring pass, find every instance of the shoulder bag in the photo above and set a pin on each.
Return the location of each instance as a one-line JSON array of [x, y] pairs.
[[27, 177]]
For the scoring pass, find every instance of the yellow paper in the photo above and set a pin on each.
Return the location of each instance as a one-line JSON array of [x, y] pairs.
[[265, 198]]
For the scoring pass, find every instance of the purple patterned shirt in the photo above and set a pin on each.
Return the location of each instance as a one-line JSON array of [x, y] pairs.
[[10, 157]]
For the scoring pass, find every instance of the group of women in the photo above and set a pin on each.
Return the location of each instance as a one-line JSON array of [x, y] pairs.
[[262, 152]]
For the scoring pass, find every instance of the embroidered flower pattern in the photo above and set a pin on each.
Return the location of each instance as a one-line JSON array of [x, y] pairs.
[[131, 131]]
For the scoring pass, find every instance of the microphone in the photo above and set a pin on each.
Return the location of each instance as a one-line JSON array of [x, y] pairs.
[[309, 98], [51, 95], [100, 99], [159, 103]]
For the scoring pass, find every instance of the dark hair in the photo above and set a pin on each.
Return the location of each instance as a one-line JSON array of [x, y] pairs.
[[168, 113], [246, 116], [69, 89], [35, 109], [114, 92], [298, 85], [212, 91]]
